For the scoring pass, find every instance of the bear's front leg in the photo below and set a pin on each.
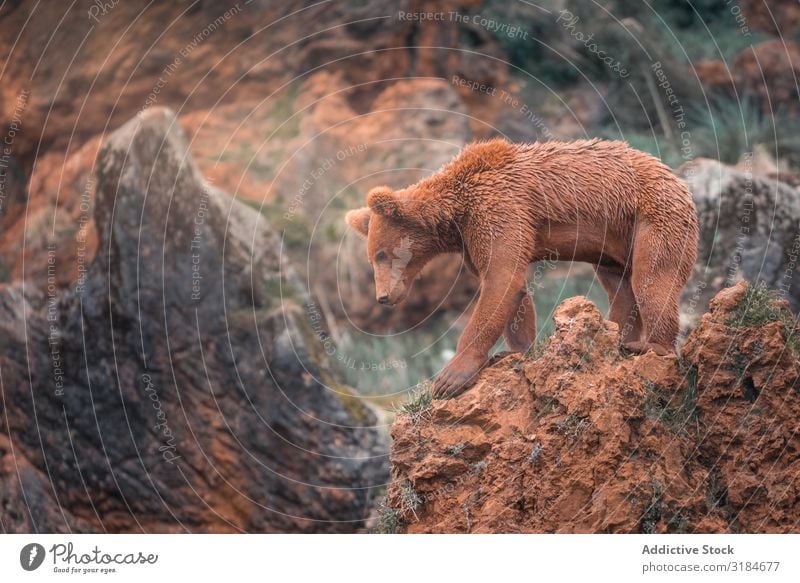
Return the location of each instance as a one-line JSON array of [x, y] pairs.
[[499, 298], [520, 332]]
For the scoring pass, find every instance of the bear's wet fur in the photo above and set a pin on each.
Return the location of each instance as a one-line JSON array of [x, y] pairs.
[[504, 206]]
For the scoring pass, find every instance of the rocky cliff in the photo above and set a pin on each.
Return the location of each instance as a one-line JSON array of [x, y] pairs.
[[177, 385], [580, 437]]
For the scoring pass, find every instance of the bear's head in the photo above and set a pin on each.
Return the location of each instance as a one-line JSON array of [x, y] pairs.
[[400, 240]]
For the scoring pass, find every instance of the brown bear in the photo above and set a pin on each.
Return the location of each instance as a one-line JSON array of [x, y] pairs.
[[504, 206]]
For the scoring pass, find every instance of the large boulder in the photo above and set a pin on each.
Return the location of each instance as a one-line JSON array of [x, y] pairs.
[[179, 384], [580, 437], [749, 228]]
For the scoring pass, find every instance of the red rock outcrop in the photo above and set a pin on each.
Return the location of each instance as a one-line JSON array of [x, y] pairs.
[[766, 72], [584, 438], [769, 71], [777, 17]]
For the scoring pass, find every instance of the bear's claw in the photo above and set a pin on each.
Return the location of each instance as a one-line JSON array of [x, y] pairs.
[[455, 379], [637, 347]]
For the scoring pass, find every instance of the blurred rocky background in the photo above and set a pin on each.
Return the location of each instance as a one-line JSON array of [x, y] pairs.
[[124, 120]]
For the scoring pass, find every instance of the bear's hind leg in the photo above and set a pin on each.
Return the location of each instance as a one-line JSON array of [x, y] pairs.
[[520, 331], [623, 310], [657, 281]]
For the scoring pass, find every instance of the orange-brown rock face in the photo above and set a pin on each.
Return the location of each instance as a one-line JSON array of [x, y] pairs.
[[768, 70], [586, 439], [779, 18], [765, 71]]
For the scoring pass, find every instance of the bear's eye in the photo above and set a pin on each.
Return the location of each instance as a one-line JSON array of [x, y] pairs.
[[381, 256]]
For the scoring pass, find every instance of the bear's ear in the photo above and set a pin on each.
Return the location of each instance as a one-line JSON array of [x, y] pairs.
[[359, 220], [420, 208], [384, 202]]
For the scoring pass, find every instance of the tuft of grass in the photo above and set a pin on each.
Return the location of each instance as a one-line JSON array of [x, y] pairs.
[[536, 453], [716, 492], [678, 523], [759, 307], [455, 450], [755, 308], [389, 521], [546, 405], [410, 499], [657, 510], [538, 349], [725, 128], [689, 403], [468, 504], [675, 416], [572, 426], [652, 515], [419, 403]]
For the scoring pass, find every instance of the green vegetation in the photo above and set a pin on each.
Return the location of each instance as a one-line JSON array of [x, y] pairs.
[[652, 515], [572, 426], [547, 405], [676, 521], [716, 492], [295, 232], [389, 521], [418, 404], [278, 289], [760, 306], [383, 365], [725, 127], [410, 500], [390, 364], [282, 111], [676, 416], [550, 56]]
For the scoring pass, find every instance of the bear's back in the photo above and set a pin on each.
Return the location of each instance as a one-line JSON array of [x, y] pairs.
[[600, 179]]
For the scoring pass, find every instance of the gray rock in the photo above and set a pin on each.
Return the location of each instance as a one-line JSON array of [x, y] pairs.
[[179, 387], [749, 228]]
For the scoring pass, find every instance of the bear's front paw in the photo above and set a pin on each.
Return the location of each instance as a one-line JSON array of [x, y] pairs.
[[637, 347], [457, 376]]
